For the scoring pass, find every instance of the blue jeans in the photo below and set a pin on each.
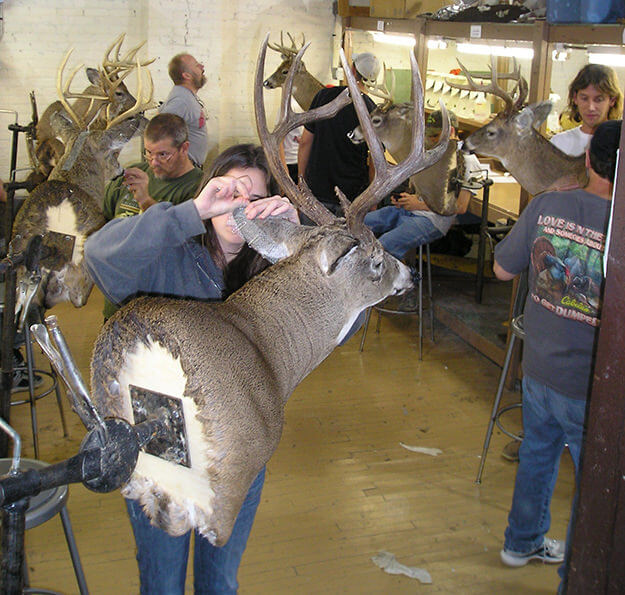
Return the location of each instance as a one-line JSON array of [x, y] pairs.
[[400, 230], [163, 559], [550, 420]]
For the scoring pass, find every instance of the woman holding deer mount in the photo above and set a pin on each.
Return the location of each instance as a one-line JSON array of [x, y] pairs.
[[157, 253]]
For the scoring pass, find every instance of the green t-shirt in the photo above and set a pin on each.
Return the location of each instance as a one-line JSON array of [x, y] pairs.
[[119, 201]]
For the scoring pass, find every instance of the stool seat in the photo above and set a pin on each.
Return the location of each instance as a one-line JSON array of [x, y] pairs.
[[42, 508]]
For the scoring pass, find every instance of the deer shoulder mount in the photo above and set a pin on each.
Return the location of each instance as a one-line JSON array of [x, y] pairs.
[[66, 208], [232, 366], [513, 137], [305, 85], [392, 123], [94, 108]]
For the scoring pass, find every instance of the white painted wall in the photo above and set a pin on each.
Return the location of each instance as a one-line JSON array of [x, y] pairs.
[[223, 34]]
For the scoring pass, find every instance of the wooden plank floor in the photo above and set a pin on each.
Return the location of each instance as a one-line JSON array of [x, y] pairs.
[[340, 487]]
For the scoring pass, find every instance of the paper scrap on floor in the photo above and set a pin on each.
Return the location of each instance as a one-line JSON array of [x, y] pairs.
[[433, 452], [388, 562]]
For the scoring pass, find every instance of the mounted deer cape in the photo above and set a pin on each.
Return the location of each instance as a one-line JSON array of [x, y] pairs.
[[305, 85], [233, 366], [513, 138], [66, 208], [392, 123], [93, 109]]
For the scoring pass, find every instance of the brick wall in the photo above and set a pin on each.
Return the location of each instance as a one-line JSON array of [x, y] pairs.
[[223, 34]]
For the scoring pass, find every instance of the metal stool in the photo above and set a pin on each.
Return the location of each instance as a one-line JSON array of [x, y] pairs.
[[42, 508], [32, 399], [381, 309], [516, 327]]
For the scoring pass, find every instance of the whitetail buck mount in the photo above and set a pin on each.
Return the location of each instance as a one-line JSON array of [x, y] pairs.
[[392, 123], [513, 137], [234, 365], [66, 208], [94, 108], [305, 85]]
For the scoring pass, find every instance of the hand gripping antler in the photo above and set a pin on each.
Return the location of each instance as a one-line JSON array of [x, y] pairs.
[[301, 195], [520, 89], [388, 176]]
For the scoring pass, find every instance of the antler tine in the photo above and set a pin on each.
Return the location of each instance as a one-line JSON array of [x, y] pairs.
[[140, 105], [382, 90], [63, 89], [388, 176], [301, 195], [116, 44], [282, 49]]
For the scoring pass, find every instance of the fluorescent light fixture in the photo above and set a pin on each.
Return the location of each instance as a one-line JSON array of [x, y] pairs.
[[606, 58], [394, 39], [436, 43], [560, 53], [495, 50]]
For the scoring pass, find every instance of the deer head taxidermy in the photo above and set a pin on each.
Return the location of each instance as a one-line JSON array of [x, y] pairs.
[[233, 366], [66, 208], [513, 137]]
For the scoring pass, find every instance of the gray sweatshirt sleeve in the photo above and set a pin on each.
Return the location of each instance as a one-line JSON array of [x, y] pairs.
[[121, 256]]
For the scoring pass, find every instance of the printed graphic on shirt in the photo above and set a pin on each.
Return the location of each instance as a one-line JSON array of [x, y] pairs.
[[568, 271], [127, 206]]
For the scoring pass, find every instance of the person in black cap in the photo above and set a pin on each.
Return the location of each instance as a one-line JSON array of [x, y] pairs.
[[560, 238], [326, 157]]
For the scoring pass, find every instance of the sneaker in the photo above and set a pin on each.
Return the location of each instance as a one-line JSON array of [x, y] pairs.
[[20, 381], [550, 552], [510, 451]]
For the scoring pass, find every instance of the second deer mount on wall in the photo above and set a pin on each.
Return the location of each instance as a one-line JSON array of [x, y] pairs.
[[470, 105]]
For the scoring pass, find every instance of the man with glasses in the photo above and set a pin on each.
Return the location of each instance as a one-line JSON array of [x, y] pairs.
[[187, 74], [166, 175]]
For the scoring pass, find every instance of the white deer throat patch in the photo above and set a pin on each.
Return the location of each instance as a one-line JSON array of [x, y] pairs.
[[62, 219]]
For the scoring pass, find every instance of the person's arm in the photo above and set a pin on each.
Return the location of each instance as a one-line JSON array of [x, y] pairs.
[[303, 152], [501, 273], [120, 256], [410, 202]]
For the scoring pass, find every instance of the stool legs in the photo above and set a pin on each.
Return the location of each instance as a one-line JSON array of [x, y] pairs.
[[365, 327], [73, 552], [495, 413]]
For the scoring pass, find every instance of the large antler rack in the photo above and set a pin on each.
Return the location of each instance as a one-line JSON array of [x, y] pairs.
[[388, 176], [142, 103], [113, 67], [301, 195], [514, 100], [285, 51], [64, 93]]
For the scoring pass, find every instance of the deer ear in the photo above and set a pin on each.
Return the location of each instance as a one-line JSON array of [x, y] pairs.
[[273, 238], [541, 111], [523, 120], [334, 251], [93, 75], [63, 126]]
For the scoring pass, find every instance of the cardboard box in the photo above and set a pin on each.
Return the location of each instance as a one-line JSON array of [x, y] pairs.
[[401, 9]]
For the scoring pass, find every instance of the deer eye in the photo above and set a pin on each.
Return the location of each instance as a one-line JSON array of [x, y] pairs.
[[376, 120], [285, 71]]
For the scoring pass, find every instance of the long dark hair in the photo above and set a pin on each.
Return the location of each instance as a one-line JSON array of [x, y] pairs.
[[247, 262]]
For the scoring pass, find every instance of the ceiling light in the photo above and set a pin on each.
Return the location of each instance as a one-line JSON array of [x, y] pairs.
[[394, 39], [436, 43], [606, 58], [495, 50]]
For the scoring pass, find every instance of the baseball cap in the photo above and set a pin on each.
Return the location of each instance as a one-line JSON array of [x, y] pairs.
[[367, 65], [434, 122]]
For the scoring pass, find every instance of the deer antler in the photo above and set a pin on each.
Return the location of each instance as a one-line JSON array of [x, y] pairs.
[[285, 51], [382, 91], [388, 176], [512, 103], [112, 67], [140, 105], [64, 93], [301, 195]]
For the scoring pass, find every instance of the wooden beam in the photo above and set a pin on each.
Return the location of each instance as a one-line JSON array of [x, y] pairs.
[[598, 546]]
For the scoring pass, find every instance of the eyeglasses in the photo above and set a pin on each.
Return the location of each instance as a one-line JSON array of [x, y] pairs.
[[162, 156]]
